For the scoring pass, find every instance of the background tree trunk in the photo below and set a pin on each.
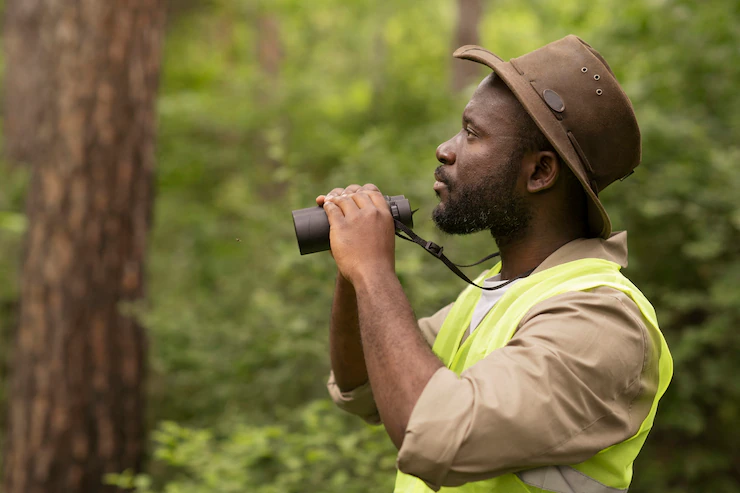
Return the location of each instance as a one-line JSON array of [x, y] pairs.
[[469, 13], [24, 84], [269, 46], [76, 399], [269, 57]]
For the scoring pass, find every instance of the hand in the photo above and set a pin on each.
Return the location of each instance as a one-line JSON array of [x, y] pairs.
[[361, 233], [337, 192], [345, 191]]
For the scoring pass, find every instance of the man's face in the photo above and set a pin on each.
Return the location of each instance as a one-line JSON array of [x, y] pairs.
[[477, 181]]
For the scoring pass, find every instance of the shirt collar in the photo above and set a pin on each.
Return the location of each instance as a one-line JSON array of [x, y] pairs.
[[613, 249]]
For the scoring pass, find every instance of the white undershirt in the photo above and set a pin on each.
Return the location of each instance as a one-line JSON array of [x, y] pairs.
[[488, 299]]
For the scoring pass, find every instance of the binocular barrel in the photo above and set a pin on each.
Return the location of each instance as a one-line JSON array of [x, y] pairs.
[[312, 225]]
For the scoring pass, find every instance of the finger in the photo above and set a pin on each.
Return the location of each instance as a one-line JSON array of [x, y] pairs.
[[333, 213], [363, 200], [351, 189], [336, 192], [379, 200], [346, 204], [370, 187], [320, 200]]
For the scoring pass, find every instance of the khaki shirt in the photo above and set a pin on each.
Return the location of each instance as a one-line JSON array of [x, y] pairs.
[[578, 376]]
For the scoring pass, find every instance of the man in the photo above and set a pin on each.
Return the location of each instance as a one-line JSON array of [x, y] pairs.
[[550, 380]]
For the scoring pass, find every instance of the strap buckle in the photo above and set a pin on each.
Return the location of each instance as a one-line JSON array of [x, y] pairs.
[[434, 249]]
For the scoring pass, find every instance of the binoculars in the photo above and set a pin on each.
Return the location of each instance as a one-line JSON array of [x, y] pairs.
[[312, 225]]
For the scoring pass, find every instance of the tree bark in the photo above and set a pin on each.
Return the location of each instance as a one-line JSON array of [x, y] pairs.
[[24, 84], [76, 403], [469, 13]]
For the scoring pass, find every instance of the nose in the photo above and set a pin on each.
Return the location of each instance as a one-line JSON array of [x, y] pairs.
[[445, 153]]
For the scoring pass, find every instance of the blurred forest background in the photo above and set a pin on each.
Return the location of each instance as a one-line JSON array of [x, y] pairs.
[[262, 105]]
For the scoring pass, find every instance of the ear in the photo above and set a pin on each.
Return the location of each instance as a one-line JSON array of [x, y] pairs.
[[544, 170]]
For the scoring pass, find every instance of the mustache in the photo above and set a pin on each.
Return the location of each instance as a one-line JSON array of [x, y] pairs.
[[441, 175]]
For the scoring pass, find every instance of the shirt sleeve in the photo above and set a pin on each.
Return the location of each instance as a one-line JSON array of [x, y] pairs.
[[578, 376], [360, 401]]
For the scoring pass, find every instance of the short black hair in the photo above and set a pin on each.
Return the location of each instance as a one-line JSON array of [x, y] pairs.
[[533, 138]]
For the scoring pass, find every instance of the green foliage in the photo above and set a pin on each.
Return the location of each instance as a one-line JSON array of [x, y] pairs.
[[12, 225], [689, 264], [238, 320], [295, 456]]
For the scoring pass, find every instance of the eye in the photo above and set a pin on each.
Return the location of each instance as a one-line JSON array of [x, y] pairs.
[[469, 131]]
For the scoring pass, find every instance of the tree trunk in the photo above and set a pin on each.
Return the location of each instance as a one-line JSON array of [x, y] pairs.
[[24, 84], [469, 13], [270, 57], [269, 46], [77, 396]]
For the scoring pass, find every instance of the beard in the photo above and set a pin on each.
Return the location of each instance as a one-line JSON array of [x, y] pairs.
[[492, 204]]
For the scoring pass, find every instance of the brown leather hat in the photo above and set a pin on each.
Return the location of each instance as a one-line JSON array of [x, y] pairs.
[[572, 95]]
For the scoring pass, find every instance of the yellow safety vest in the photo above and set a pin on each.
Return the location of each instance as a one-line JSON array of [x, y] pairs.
[[610, 470]]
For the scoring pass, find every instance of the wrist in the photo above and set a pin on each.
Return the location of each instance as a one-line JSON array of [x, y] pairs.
[[371, 277], [343, 282]]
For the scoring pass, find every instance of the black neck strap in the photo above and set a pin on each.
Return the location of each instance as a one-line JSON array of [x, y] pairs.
[[436, 250]]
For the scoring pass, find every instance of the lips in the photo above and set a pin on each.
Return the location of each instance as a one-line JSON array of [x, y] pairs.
[[440, 183]]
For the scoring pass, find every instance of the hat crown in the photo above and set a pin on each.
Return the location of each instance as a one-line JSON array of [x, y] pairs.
[[595, 113]]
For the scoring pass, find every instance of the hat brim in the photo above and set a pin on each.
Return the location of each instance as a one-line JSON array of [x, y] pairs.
[[598, 220]]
